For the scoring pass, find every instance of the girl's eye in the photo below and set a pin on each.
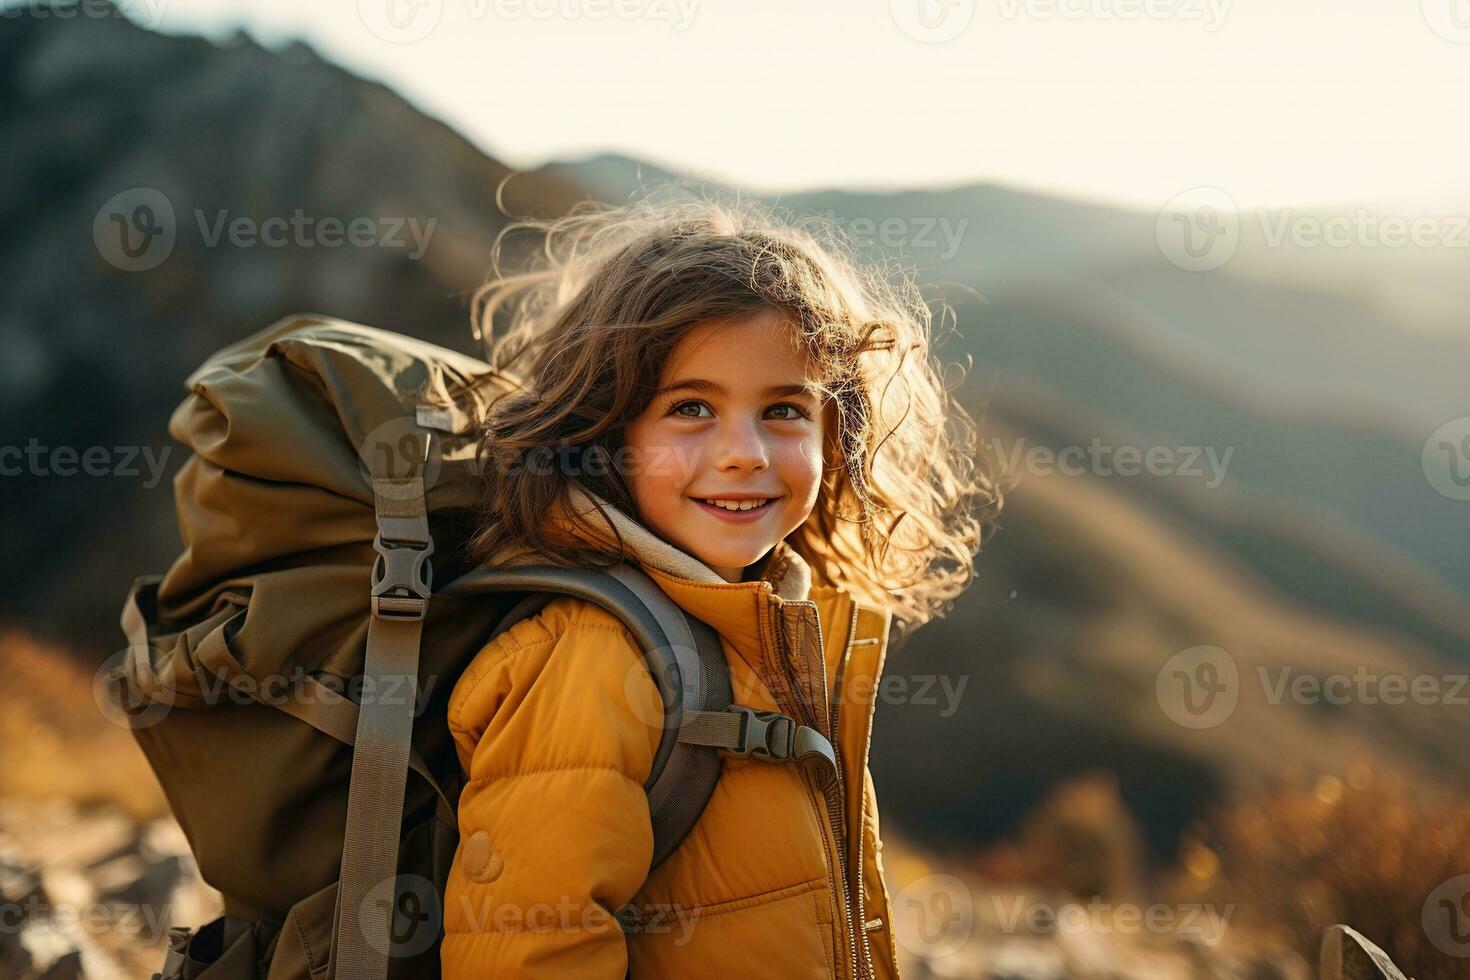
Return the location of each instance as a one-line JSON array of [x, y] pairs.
[[799, 412], [679, 409]]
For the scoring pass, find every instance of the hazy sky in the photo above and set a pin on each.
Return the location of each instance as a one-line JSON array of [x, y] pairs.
[[1275, 101]]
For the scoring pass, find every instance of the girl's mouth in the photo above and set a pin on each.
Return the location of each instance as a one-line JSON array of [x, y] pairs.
[[737, 516]]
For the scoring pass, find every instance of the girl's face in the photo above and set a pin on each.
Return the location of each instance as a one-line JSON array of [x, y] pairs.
[[732, 420]]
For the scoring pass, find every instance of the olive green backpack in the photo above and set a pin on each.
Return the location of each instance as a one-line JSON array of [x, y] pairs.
[[295, 662]]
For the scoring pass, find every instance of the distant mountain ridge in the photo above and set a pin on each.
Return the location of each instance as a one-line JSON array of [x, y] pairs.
[[96, 107]]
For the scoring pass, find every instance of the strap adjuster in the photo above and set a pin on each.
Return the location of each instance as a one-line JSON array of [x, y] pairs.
[[765, 735], [402, 579]]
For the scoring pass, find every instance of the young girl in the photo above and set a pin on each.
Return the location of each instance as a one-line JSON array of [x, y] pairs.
[[728, 401]]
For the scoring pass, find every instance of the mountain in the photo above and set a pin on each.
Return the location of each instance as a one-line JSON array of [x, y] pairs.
[[105, 124]]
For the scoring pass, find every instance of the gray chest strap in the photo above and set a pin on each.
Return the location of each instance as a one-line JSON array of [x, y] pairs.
[[765, 735]]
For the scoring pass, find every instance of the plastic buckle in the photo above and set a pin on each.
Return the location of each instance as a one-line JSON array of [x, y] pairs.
[[403, 579], [764, 736]]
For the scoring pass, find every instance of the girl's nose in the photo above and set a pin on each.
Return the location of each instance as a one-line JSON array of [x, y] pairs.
[[739, 446]]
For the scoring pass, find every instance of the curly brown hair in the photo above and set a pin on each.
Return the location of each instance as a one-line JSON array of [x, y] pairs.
[[593, 316]]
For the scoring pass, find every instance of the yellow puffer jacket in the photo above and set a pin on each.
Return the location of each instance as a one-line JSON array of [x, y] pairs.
[[556, 723]]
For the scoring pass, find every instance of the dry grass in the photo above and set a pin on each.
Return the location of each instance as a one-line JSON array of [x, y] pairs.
[[1080, 840], [1367, 849], [55, 741]]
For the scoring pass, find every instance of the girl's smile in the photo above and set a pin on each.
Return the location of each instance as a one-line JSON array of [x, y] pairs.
[[737, 510]]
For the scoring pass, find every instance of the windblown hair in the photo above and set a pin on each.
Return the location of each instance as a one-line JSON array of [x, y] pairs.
[[585, 330]]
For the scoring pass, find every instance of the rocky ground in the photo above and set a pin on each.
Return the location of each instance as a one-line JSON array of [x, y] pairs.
[[90, 892]]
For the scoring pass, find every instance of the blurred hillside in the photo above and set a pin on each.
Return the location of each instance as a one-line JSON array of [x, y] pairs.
[[1295, 529], [96, 355]]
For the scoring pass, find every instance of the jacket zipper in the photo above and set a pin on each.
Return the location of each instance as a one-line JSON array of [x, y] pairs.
[[836, 813], [860, 917]]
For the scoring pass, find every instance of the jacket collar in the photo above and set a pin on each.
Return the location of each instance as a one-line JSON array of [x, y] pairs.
[[732, 609]]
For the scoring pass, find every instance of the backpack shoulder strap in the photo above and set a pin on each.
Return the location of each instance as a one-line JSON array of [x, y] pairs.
[[688, 666], [401, 583]]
